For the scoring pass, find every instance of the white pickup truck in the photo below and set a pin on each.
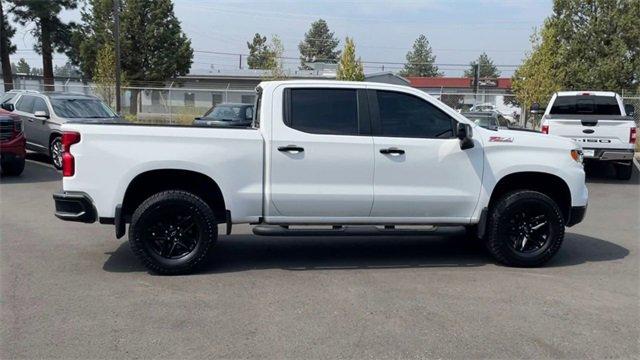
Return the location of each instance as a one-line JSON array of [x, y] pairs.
[[599, 121], [324, 158]]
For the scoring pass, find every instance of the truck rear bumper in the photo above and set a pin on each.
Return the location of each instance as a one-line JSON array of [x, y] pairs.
[[609, 154], [75, 206]]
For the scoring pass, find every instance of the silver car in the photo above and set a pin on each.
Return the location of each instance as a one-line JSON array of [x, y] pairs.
[[43, 113]]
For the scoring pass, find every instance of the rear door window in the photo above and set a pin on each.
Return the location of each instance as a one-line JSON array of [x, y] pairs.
[[25, 104], [585, 104], [324, 111]]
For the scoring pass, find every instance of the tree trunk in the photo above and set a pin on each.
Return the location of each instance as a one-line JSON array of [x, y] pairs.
[[133, 102], [47, 55], [7, 78]]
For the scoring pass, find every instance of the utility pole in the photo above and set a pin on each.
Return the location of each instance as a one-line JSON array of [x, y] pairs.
[[476, 81], [116, 34], [240, 61]]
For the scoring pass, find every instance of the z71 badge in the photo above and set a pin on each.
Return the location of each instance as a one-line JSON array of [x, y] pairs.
[[500, 139]]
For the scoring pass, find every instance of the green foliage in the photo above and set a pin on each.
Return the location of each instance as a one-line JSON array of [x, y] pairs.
[[487, 68], [349, 68], [539, 75], [23, 67], [420, 60], [67, 70], [104, 76], [93, 33], [260, 55], [598, 43], [6, 33], [274, 61], [51, 33], [319, 45]]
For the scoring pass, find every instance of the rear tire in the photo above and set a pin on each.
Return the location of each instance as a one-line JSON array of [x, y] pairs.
[[525, 229], [172, 232], [624, 171], [55, 152], [13, 167]]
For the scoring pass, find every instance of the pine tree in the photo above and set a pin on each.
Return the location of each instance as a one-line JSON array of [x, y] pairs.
[[319, 45], [23, 67], [420, 60], [6, 49], [51, 33], [154, 48], [349, 68], [259, 53], [487, 68]]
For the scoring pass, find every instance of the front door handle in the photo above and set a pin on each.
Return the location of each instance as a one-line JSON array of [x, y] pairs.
[[392, 151], [291, 149]]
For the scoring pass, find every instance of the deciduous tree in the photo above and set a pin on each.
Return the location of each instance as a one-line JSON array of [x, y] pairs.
[[349, 67]]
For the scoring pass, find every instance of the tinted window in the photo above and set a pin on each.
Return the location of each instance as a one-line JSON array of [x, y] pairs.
[[404, 115], [585, 104], [81, 108], [40, 105], [25, 104], [324, 111]]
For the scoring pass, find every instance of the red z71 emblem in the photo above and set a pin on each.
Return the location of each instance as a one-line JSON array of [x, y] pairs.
[[500, 139]]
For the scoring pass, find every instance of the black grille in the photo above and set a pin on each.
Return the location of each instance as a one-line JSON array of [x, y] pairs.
[[6, 130]]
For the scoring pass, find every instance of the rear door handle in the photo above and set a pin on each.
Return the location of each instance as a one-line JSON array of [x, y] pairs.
[[291, 149], [392, 151]]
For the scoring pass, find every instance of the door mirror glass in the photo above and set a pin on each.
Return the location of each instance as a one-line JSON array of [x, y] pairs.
[[41, 114], [464, 132], [8, 106]]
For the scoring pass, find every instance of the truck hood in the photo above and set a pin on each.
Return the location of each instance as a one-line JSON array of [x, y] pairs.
[[505, 137]]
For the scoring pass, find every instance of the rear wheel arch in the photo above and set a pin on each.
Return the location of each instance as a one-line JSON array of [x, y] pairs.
[[151, 182], [551, 185]]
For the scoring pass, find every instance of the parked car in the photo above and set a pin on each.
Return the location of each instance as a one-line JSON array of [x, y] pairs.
[[324, 153], [599, 121], [12, 144], [488, 119], [227, 114], [43, 113], [488, 107]]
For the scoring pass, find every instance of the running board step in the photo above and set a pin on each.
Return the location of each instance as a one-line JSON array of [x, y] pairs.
[[336, 230]]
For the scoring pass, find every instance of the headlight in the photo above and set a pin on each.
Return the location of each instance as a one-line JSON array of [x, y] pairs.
[[577, 155]]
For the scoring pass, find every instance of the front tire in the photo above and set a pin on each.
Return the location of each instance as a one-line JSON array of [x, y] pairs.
[[624, 171], [526, 229], [172, 232], [55, 152]]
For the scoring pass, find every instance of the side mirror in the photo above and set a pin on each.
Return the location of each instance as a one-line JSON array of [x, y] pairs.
[[536, 109], [629, 109], [41, 114], [464, 132], [8, 106]]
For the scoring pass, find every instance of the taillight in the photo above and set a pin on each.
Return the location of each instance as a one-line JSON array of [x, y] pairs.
[[633, 135], [68, 162], [545, 129]]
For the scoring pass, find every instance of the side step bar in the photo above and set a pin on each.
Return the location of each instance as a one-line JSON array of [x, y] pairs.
[[355, 230]]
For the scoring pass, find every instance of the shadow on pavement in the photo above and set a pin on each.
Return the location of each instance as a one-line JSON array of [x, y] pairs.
[[36, 169], [604, 173], [448, 249]]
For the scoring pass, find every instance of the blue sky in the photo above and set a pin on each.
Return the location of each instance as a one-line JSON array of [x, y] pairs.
[[383, 30]]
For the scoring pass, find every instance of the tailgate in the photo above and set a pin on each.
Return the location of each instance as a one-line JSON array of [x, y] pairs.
[[593, 131]]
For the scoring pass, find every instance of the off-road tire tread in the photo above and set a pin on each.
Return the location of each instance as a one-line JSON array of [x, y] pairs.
[[212, 231], [493, 244]]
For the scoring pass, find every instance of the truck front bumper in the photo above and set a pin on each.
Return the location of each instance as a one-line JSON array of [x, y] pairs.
[[577, 215], [75, 206]]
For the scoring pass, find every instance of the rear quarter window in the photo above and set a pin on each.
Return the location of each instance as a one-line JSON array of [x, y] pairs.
[[585, 104]]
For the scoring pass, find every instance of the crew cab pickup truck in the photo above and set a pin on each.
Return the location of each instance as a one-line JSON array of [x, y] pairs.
[[324, 158], [599, 121]]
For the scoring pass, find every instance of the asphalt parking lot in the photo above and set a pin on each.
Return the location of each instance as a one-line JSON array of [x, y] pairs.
[[73, 291]]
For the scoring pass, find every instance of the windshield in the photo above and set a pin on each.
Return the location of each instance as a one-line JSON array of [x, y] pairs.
[[484, 121], [81, 108], [230, 113]]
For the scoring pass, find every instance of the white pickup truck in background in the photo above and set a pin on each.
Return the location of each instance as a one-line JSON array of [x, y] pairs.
[[345, 157], [599, 121]]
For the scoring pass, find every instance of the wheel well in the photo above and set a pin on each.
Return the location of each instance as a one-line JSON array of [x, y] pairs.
[[52, 136], [548, 184], [152, 182]]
